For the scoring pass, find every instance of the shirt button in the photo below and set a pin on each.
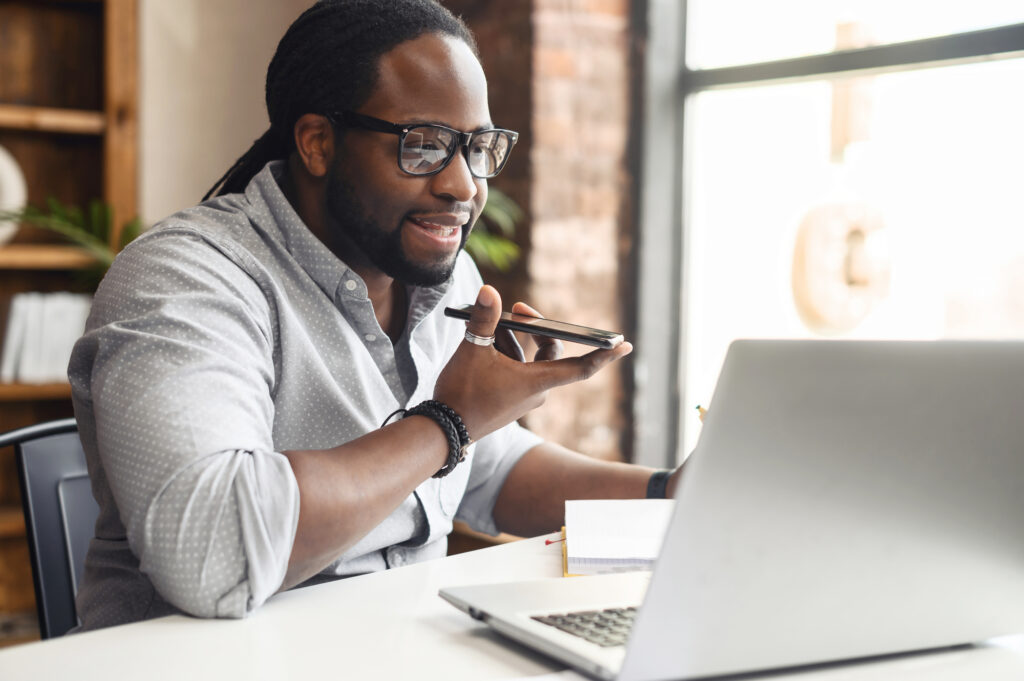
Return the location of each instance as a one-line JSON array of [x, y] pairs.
[[351, 285], [370, 338]]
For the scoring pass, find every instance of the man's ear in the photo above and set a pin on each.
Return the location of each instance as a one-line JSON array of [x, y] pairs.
[[314, 142]]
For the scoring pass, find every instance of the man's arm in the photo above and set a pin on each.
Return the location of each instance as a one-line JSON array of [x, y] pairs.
[[347, 491], [532, 500]]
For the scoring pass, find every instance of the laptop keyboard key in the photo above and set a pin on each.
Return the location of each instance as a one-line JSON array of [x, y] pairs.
[[605, 628]]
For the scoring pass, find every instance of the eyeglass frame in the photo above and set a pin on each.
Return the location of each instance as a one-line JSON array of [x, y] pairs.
[[354, 119]]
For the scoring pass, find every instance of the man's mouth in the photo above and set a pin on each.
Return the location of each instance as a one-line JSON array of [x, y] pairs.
[[441, 226]]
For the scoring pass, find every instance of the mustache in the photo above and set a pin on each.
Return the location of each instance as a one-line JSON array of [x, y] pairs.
[[453, 208]]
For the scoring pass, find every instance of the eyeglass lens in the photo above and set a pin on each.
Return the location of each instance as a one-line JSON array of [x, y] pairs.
[[425, 149]]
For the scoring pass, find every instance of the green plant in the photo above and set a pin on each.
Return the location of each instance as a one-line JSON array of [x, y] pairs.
[[490, 242], [90, 229]]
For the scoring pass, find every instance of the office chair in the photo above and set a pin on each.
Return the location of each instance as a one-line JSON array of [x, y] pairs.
[[60, 515]]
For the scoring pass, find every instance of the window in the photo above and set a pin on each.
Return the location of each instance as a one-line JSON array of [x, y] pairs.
[[731, 32], [855, 187]]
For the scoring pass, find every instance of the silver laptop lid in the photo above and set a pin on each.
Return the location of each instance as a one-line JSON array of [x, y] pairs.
[[845, 499]]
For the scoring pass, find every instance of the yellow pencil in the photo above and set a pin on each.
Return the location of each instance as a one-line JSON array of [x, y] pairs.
[[701, 412]]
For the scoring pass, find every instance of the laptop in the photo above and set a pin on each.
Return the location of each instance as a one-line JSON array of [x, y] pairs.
[[846, 499]]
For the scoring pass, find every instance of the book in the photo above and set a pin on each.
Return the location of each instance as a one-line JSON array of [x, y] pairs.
[[64, 316], [31, 367], [14, 338], [614, 535], [42, 329]]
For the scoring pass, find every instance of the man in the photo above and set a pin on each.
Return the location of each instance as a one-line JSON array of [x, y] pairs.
[[234, 385]]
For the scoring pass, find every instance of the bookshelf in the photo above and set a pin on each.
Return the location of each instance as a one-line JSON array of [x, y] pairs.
[[44, 119], [43, 257], [68, 117]]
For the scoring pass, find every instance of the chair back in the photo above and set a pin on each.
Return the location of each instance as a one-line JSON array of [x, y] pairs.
[[60, 516]]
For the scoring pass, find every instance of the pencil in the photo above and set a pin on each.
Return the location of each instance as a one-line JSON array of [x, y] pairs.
[[701, 412]]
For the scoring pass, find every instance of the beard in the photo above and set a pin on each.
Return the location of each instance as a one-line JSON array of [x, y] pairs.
[[382, 248]]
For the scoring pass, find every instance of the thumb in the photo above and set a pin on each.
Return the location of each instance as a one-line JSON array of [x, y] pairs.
[[484, 318]]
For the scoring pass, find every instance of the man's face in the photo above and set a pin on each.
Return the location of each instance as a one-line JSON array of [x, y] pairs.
[[410, 227]]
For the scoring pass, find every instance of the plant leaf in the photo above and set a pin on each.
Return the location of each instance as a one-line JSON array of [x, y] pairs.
[[62, 221], [502, 212], [100, 219], [491, 250], [129, 232]]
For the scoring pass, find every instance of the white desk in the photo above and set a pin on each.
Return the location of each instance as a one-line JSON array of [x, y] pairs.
[[391, 625]]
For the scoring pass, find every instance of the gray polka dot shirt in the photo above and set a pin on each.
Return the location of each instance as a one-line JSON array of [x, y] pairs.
[[224, 336]]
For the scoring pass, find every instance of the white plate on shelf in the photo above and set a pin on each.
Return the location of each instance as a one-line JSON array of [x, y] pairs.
[[13, 193]]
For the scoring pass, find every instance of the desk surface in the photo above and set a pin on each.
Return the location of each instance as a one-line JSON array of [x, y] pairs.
[[392, 625]]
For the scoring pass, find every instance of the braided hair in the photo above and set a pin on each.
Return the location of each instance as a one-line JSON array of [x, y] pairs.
[[327, 61]]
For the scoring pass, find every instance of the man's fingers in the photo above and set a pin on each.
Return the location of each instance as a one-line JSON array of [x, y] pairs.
[[506, 343], [484, 318], [573, 369], [523, 308], [548, 348]]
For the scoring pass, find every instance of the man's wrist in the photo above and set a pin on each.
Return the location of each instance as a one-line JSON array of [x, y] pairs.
[[451, 425]]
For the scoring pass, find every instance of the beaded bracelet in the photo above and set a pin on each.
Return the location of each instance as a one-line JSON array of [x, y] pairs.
[[454, 418], [451, 425]]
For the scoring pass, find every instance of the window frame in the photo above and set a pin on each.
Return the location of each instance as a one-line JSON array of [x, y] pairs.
[[659, 415]]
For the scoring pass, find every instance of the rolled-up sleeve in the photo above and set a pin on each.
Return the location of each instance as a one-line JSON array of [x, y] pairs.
[[176, 375], [493, 460]]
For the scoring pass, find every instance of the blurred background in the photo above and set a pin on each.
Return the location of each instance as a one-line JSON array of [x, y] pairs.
[[688, 172]]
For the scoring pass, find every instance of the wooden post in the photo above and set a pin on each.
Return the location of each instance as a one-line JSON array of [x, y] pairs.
[[120, 169]]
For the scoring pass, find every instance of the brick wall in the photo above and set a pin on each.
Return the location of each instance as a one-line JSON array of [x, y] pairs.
[[560, 71]]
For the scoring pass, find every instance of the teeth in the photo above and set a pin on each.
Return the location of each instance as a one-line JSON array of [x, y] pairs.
[[440, 229]]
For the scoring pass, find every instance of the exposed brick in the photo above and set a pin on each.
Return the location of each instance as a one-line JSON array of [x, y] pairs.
[[555, 63], [564, 65]]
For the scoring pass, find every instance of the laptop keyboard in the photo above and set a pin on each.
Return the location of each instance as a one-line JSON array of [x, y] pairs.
[[609, 627]]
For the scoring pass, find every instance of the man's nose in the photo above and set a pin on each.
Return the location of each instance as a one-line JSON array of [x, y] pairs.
[[455, 181]]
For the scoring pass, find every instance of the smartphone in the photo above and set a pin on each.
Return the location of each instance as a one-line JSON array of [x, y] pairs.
[[546, 327]]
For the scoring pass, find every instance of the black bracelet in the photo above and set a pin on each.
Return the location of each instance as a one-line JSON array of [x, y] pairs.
[[451, 425], [455, 453], [657, 484], [464, 439]]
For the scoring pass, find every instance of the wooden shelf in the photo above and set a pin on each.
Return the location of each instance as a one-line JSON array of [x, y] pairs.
[[43, 119], [12, 522], [21, 392], [464, 539], [44, 257]]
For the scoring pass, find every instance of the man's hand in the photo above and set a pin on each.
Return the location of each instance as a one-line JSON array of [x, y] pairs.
[[489, 389]]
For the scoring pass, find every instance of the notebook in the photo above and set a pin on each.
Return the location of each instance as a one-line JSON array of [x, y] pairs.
[[613, 535], [846, 499]]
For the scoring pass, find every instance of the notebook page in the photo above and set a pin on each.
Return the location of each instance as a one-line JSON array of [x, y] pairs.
[[610, 535]]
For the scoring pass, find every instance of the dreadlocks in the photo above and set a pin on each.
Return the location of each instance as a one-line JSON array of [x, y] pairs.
[[327, 61]]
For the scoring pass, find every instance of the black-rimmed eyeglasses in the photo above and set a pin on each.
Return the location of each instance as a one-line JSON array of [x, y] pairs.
[[425, 149]]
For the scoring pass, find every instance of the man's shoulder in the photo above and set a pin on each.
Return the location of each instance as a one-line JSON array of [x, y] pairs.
[[215, 230], [225, 218], [213, 245]]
